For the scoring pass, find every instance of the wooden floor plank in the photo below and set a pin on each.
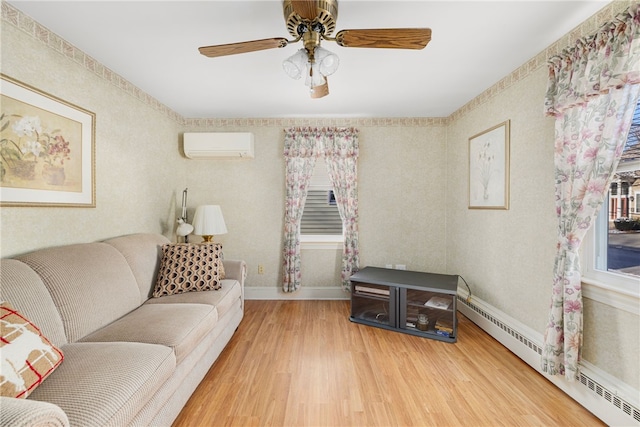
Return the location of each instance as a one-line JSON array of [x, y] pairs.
[[303, 363]]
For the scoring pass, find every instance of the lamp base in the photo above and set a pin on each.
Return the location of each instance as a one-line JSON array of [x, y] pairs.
[[207, 239]]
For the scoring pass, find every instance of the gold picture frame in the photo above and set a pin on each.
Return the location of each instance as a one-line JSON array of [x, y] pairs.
[[489, 153], [47, 149]]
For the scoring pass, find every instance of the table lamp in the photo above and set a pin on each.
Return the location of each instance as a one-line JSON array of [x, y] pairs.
[[184, 228], [208, 221]]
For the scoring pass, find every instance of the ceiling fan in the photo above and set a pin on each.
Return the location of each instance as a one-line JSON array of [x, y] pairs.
[[312, 21]]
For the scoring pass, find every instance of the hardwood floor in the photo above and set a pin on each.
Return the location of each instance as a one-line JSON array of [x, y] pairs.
[[303, 363]]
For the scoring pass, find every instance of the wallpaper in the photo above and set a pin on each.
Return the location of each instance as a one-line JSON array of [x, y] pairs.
[[401, 177], [138, 171]]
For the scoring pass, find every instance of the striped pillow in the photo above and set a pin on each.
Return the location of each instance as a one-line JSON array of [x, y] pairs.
[[189, 268], [26, 356]]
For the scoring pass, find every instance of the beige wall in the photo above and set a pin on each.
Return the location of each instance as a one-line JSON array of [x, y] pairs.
[[507, 255], [413, 191], [612, 341], [401, 193], [137, 167]]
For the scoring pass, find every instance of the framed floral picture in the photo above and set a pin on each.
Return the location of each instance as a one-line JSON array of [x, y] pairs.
[[489, 168], [47, 153]]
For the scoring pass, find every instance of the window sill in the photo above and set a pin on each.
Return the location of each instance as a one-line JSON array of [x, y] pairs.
[[321, 241], [598, 289], [616, 290]]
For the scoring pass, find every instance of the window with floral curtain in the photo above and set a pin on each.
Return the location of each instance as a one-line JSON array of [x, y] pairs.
[[339, 147], [592, 91]]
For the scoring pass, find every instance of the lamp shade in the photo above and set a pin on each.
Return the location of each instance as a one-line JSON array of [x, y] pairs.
[[184, 229], [208, 221], [327, 60], [295, 65]]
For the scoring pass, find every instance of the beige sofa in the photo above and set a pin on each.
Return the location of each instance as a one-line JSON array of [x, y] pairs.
[[129, 359]]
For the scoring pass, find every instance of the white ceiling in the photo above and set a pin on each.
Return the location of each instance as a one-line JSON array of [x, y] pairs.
[[154, 45]]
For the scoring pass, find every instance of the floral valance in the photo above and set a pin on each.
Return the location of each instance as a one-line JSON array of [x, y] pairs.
[[313, 142], [301, 142], [608, 59]]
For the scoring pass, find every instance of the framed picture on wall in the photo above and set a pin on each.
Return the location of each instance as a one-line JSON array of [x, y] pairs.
[[47, 152], [489, 168]]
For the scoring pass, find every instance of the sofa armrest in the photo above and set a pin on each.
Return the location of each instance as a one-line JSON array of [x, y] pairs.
[[31, 413], [235, 269]]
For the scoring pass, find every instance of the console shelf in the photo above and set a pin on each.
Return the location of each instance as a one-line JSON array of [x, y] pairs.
[[411, 302]]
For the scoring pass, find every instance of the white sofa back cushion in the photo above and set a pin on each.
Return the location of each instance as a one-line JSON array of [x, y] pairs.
[[23, 288], [143, 253], [91, 284]]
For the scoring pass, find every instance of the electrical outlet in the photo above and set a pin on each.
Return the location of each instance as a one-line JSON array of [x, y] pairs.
[[401, 267], [260, 269]]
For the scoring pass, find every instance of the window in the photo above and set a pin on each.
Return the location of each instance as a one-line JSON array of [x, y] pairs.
[[321, 225], [321, 214], [612, 249]]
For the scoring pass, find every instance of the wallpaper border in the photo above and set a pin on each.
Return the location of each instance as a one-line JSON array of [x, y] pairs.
[[588, 27]]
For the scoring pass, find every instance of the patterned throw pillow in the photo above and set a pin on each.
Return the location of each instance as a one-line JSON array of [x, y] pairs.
[[222, 273], [26, 356], [188, 268]]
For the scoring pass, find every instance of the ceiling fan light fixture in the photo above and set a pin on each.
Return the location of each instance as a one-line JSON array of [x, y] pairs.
[[311, 22], [314, 77], [328, 61], [296, 64]]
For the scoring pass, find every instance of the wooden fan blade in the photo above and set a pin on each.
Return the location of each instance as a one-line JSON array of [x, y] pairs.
[[306, 9], [393, 38], [242, 47], [320, 91]]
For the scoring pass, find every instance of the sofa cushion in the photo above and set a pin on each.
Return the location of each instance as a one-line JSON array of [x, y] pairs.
[[230, 291], [28, 294], [188, 268], [143, 253], [91, 285], [102, 384], [31, 413], [26, 356], [179, 326]]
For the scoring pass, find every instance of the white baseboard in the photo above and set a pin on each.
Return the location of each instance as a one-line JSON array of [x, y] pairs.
[[304, 293], [608, 398]]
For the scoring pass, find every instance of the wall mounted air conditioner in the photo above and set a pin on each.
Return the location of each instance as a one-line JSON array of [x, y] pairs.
[[218, 145]]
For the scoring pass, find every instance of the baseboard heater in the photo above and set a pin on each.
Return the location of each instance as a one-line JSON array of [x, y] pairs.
[[608, 400]]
